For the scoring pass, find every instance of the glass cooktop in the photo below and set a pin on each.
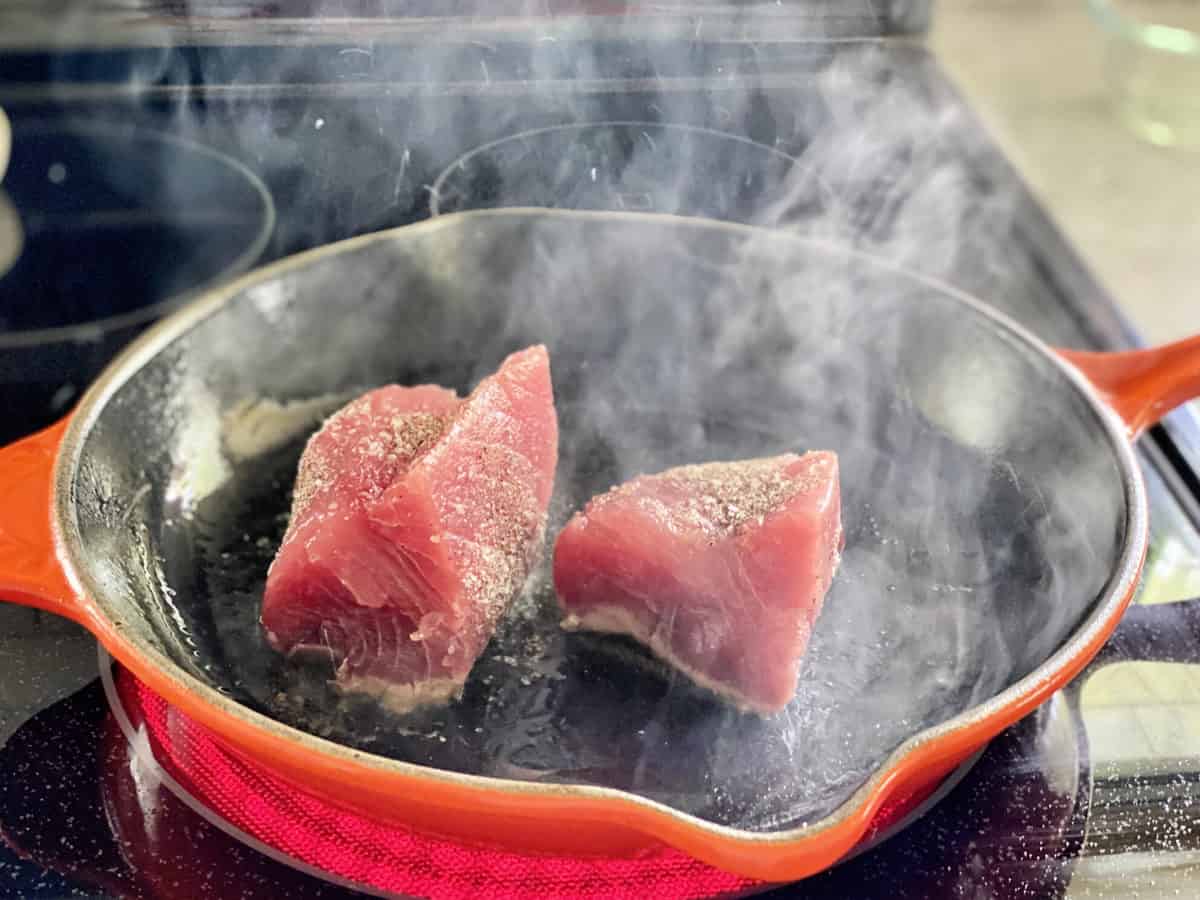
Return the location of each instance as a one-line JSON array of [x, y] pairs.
[[141, 174]]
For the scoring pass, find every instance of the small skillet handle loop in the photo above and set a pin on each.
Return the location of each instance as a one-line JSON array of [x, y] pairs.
[[1142, 386], [30, 573], [1155, 632]]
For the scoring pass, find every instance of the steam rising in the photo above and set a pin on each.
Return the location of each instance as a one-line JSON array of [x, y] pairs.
[[979, 531]]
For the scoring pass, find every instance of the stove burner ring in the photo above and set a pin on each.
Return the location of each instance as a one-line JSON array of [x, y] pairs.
[[620, 165], [182, 216]]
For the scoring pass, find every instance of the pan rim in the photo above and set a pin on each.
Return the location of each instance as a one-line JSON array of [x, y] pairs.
[[864, 801]]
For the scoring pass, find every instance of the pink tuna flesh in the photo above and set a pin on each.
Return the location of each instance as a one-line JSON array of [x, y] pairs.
[[416, 518], [720, 569]]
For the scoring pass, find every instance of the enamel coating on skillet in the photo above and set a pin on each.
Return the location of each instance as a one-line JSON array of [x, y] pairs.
[[39, 556]]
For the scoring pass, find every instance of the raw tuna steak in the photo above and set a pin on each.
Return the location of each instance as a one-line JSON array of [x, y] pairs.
[[720, 569], [416, 519]]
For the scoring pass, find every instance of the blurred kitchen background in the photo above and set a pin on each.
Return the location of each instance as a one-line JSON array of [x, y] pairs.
[[1051, 79]]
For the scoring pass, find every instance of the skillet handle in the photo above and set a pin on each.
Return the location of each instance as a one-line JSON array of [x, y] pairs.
[[30, 572], [1155, 632], [1142, 386]]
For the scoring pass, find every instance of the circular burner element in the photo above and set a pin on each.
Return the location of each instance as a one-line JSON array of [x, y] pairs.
[[299, 830], [638, 166], [118, 225]]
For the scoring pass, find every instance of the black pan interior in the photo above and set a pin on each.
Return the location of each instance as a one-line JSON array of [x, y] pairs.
[[983, 499]]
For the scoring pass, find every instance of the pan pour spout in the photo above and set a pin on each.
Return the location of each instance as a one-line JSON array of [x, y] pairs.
[[1142, 386]]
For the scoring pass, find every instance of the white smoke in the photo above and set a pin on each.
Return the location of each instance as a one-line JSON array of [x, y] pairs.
[[847, 144]]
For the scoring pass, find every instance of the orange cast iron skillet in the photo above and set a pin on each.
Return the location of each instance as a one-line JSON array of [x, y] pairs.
[[41, 565]]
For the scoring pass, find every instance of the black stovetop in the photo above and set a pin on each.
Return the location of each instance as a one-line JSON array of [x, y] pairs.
[[861, 142], [77, 839]]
